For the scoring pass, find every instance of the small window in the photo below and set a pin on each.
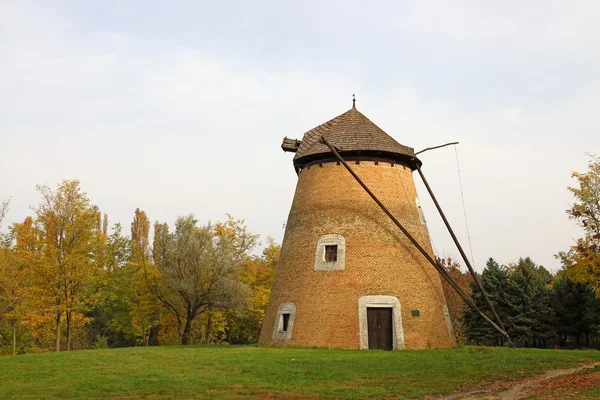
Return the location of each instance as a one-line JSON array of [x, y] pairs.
[[331, 253], [420, 212], [286, 321]]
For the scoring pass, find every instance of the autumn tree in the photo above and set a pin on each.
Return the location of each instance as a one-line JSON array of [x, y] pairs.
[[19, 299], [235, 233], [12, 286], [258, 273], [144, 308], [197, 268], [125, 311], [67, 224], [582, 261], [456, 305]]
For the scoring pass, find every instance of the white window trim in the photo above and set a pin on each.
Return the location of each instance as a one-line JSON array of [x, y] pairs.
[[287, 307], [330, 240], [392, 302], [420, 211]]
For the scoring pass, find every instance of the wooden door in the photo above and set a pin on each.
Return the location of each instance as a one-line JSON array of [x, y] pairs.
[[379, 322]]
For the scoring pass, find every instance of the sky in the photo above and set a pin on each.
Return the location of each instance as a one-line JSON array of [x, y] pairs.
[[180, 107]]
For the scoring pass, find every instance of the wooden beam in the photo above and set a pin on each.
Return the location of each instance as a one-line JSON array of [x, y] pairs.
[[290, 145], [461, 251], [433, 262]]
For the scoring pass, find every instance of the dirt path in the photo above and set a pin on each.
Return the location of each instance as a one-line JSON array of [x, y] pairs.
[[516, 390]]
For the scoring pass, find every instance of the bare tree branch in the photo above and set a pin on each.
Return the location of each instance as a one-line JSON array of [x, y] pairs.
[[4, 209]]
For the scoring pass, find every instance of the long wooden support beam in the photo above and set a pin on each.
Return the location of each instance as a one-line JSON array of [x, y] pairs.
[[433, 262], [435, 147], [462, 252]]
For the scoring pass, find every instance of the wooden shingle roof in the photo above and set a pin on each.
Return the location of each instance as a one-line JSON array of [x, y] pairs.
[[356, 137]]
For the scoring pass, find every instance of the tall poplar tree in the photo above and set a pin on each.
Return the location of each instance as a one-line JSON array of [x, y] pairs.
[[145, 309]]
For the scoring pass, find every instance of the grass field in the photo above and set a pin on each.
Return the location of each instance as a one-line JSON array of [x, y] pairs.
[[246, 372]]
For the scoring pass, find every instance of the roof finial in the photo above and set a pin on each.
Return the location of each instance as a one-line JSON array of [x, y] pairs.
[[353, 101]]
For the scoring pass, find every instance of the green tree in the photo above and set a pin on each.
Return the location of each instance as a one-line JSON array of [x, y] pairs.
[[112, 320], [575, 307], [495, 281], [530, 315], [520, 294]]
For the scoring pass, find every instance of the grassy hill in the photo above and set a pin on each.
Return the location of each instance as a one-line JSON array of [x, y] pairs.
[[246, 372]]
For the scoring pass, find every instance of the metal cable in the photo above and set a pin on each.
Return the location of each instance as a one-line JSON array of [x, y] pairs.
[[462, 196]]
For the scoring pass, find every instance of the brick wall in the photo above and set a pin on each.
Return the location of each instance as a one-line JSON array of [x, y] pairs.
[[380, 260]]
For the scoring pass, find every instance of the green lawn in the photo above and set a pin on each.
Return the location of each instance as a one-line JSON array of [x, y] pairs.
[[246, 371]]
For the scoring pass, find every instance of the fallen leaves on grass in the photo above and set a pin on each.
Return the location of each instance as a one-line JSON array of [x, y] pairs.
[[566, 387]]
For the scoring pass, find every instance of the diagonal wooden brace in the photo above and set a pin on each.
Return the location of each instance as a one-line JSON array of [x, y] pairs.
[[433, 262]]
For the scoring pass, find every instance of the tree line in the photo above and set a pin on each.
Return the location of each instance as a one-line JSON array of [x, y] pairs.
[[540, 309], [68, 281]]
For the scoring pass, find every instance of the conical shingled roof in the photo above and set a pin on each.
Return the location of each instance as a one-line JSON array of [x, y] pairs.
[[357, 137]]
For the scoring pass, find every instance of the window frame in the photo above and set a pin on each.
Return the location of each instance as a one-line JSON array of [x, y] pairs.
[[331, 253], [286, 308], [321, 263]]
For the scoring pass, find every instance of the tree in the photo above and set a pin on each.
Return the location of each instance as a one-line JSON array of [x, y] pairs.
[[11, 287], [67, 225], [456, 305], [575, 308], [258, 273], [18, 252], [196, 270], [112, 320], [495, 281], [521, 296], [4, 210], [144, 309], [582, 261], [530, 315]]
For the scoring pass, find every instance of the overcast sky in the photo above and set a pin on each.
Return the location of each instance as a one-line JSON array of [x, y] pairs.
[[180, 106]]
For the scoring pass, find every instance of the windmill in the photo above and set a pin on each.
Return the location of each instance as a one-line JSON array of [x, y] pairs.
[[357, 268]]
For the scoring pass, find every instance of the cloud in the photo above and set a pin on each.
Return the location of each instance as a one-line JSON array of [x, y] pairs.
[[187, 128]]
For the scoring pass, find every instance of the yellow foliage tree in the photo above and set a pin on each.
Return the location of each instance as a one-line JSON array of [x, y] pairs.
[[583, 259], [258, 273], [67, 224], [12, 288], [145, 310]]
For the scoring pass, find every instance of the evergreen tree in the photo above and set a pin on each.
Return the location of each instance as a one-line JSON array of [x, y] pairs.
[[530, 315], [495, 282], [576, 310], [521, 296]]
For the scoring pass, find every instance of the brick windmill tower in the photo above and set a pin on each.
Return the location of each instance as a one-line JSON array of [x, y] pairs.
[[347, 277]]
